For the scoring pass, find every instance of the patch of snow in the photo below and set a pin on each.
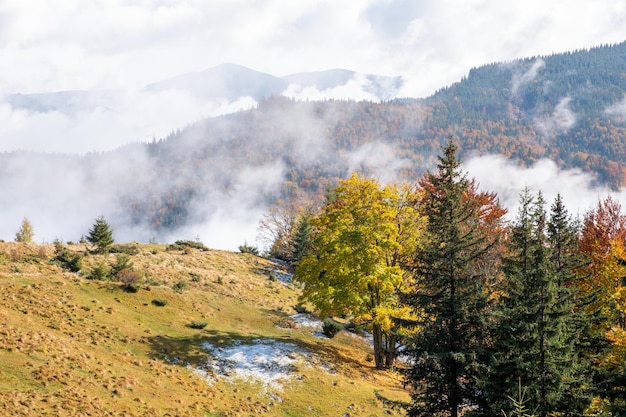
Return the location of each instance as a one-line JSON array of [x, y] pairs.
[[282, 273], [306, 320], [268, 362]]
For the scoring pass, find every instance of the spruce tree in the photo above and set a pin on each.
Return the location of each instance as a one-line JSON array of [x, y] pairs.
[[302, 239], [451, 294], [101, 235], [537, 322]]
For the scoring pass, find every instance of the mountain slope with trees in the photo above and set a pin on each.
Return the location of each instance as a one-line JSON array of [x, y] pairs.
[[567, 107]]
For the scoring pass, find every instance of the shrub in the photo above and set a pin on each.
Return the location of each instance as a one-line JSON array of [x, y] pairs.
[[354, 327], [159, 302], [179, 286], [330, 328], [300, 309], [122, 262], [100, 272], [129, 278], [187, 244], [129, 249], [64, 258], [245, 248], [198, 324]]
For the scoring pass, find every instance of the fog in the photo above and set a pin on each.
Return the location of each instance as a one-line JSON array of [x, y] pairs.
[[580, 191]]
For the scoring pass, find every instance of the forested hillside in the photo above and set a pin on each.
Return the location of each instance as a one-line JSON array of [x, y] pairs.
[[566, 107]]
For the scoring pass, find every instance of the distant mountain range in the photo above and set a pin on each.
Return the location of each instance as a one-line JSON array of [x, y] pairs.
[[570, 108], [223, 82]]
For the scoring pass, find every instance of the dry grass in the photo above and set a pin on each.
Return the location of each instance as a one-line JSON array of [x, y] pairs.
[[70, 346]]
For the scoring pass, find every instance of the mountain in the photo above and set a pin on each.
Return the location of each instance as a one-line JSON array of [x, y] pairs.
[[228, 82], [219, 171], [68, 102], [234, 81]]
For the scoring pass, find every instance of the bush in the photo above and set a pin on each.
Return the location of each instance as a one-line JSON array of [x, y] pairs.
[[330, 328], [245, 248], [300, 309], [100, 272], [122, 262], [64, 258], [129, 249], [179, 286], [129, 278], [159, 302], [198, 324], [354, 328], [187, 244]]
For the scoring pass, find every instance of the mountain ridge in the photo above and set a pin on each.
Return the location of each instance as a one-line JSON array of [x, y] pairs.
[[567, 107]]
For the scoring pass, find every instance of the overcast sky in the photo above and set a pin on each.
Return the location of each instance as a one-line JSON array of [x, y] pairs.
[[77, 44]]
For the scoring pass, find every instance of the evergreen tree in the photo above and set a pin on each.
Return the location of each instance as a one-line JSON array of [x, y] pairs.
[[101, 235], [537, 323], [26, 232], [302, 239], [450, 293]]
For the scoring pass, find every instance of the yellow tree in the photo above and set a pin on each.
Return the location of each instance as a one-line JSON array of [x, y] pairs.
[[360, 239], [602, 240]]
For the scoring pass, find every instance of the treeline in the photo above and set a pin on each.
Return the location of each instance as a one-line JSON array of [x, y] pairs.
[[477, 306]]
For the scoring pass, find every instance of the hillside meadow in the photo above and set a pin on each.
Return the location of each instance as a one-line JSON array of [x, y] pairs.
[[207, 333]]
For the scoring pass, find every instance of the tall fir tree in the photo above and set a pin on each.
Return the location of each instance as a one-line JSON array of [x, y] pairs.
[[537, 323], [451, 293]]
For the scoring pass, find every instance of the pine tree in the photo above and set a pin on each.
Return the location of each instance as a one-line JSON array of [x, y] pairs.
[[26, 232], [451, 293], [537, 322], [101, 235]]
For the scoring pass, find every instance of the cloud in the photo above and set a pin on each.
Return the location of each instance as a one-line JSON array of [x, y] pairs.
[[559, 122], [519, 80], [379, 160], [579, 190], [112, 120], [355, 89], [113, 44], [618, 109]]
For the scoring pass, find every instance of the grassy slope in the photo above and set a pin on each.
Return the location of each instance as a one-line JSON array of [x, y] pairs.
[[75, 347]]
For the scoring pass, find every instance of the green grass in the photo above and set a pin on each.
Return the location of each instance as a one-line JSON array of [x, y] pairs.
[[69, 345]]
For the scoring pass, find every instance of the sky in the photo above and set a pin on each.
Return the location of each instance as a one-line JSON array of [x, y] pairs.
[[120, 46], [114, 48]]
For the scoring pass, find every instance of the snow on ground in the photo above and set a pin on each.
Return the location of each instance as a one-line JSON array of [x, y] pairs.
[[306, 320], [282, 272], [267, 362]]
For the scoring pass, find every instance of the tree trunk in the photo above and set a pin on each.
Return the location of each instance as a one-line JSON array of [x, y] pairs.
[[390, 349], [378, 346]]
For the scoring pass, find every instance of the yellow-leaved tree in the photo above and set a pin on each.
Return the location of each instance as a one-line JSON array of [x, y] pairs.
[[360, 239]]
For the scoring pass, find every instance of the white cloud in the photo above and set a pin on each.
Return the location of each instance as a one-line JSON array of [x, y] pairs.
[[579, 190], [559, 121], [526, 77], [107, 44]]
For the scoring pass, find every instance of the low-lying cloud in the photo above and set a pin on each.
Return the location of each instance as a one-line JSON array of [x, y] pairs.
[[579, 190], [108, 121]]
